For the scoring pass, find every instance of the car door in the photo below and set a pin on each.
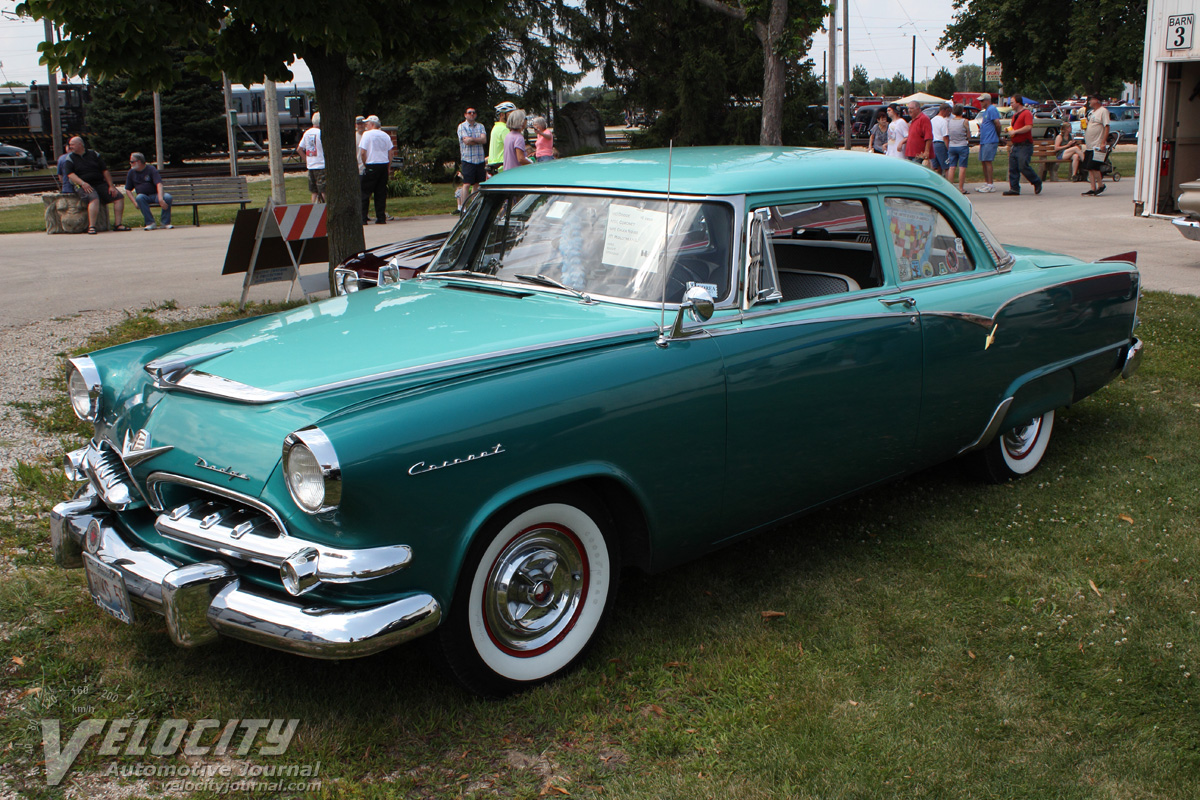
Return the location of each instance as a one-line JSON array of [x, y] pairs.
[[823, 367], [943, 266]]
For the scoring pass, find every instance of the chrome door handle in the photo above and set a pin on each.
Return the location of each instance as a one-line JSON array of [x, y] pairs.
[[904, 300]]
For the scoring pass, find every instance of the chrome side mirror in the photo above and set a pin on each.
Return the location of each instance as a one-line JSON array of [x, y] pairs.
[[698, 304], [389, 274]]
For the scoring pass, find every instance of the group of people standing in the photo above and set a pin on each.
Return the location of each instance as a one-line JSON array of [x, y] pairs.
[[506, 148], [373, 149], [943, 142]]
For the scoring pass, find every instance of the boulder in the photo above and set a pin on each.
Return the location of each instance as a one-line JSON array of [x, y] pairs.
[[578, 127], [67, 213]]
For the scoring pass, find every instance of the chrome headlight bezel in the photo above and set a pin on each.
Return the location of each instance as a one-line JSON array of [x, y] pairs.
[[84, 388], [312, 442]]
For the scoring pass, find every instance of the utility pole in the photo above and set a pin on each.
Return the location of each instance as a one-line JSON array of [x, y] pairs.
[[913, 74], [984, 66], [846, 120], [56, 133], [230, 116], [274, 148], [831, 84], [158, 144]]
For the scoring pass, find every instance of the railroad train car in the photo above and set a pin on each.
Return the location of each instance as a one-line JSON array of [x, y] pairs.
[[295, 113], [25, 116]]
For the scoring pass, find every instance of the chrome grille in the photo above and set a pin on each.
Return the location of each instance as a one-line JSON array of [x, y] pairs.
[[227, 527]]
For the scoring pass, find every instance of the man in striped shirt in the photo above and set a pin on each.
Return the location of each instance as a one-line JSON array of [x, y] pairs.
[[472, 137]]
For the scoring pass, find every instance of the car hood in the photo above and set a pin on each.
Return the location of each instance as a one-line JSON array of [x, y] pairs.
[[408, 330]]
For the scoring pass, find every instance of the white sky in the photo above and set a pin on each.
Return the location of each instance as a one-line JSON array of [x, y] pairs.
[[881, 35]]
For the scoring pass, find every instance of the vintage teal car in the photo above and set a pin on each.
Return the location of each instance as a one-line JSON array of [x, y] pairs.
[[602, 346]]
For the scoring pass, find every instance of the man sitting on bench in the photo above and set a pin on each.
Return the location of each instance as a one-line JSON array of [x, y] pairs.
[[144, 186]]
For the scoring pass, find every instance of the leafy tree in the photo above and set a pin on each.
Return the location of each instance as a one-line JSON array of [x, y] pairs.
[[898, 86], [942, 84], [968, 78], [193, 119], [253, 39], [1053, 46], [783, 30], [860, 82]]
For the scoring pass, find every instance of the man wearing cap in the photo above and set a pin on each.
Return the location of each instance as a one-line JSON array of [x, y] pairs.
[[495, 160], [989, 141], [471, 139], [360, 127], [375, 147]]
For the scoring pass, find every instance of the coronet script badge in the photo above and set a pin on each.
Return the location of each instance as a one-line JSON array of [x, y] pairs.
[[421, 467], [200, 462]]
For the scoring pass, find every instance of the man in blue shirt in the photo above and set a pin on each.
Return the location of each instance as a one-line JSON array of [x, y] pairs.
[[989, 140], [67, 186], [144, 186]]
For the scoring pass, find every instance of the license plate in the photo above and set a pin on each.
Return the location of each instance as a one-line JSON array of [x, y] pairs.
[[107, 586]]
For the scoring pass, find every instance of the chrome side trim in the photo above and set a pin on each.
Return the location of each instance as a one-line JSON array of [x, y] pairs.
[[992, 428], [1133, 358], [963, 316], [156, 503], [212, 386], [808, 321]]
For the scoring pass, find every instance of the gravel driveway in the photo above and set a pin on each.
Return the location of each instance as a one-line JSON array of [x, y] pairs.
[[30, 356]]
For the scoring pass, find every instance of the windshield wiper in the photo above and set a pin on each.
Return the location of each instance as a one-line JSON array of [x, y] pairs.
[[458, 273], [545, 281]]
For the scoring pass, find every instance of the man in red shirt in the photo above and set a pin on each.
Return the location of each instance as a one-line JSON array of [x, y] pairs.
[[1020, 151], [920, 135]]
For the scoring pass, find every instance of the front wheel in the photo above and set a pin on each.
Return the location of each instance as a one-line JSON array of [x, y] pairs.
[[1018, 451], [534, 590]]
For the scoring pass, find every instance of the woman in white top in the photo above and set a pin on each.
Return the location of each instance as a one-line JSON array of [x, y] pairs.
[[897, 132]]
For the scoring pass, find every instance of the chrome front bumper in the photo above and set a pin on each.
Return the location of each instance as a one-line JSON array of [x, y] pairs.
[[204, 600]]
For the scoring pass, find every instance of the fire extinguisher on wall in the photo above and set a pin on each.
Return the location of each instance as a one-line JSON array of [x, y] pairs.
[[1165, 163]]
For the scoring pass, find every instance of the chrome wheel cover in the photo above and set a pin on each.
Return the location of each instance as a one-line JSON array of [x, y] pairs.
[[1020, 441], [535, 589]]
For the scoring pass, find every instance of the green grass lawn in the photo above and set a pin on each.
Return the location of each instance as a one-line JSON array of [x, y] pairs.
[[936, 637], [31, 217]]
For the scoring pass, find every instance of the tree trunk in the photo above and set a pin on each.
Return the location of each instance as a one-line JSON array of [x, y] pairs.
[[770, 35], [337, 95]]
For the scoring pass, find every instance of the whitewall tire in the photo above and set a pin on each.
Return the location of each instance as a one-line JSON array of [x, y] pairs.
[[1019, 451]]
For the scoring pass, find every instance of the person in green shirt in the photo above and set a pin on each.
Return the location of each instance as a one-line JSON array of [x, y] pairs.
[[495, 161]]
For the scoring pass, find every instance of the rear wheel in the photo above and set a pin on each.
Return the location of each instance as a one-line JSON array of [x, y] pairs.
[[1018, 451], [534, 590]]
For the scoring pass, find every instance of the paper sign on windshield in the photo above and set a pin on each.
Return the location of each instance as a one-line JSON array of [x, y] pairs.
[[633, 237]]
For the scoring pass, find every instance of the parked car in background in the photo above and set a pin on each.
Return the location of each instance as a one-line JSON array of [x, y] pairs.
[[615, 361], [14, 159], [1044, 127], [1125, 120]]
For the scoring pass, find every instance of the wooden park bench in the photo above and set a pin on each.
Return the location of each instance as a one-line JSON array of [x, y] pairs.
[[206, 191], [1045, 162]]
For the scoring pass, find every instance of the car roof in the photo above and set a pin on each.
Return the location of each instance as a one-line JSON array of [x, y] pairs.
[[719, 171]]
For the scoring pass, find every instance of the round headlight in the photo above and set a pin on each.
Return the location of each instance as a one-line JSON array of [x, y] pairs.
[[83, 388], [311, 470], [304, 478]]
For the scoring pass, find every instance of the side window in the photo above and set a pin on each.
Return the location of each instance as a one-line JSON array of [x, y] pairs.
[[823, 247], [923, 241]]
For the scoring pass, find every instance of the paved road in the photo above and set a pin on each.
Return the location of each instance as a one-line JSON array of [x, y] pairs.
[[50, 276]]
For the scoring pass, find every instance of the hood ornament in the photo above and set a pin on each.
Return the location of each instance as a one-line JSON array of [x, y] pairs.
[[230, 471]]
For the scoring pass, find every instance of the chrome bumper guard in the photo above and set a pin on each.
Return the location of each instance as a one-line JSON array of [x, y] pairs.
[[1190, 228], [202, 601], [1133, 358]]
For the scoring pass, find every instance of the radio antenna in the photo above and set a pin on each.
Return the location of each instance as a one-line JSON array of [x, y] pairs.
[[662, 325]]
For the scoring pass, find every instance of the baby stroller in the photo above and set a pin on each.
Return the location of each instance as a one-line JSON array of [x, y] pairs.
[[1106, 166]]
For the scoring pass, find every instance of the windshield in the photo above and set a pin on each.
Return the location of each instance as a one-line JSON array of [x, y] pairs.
[[602, 246]]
